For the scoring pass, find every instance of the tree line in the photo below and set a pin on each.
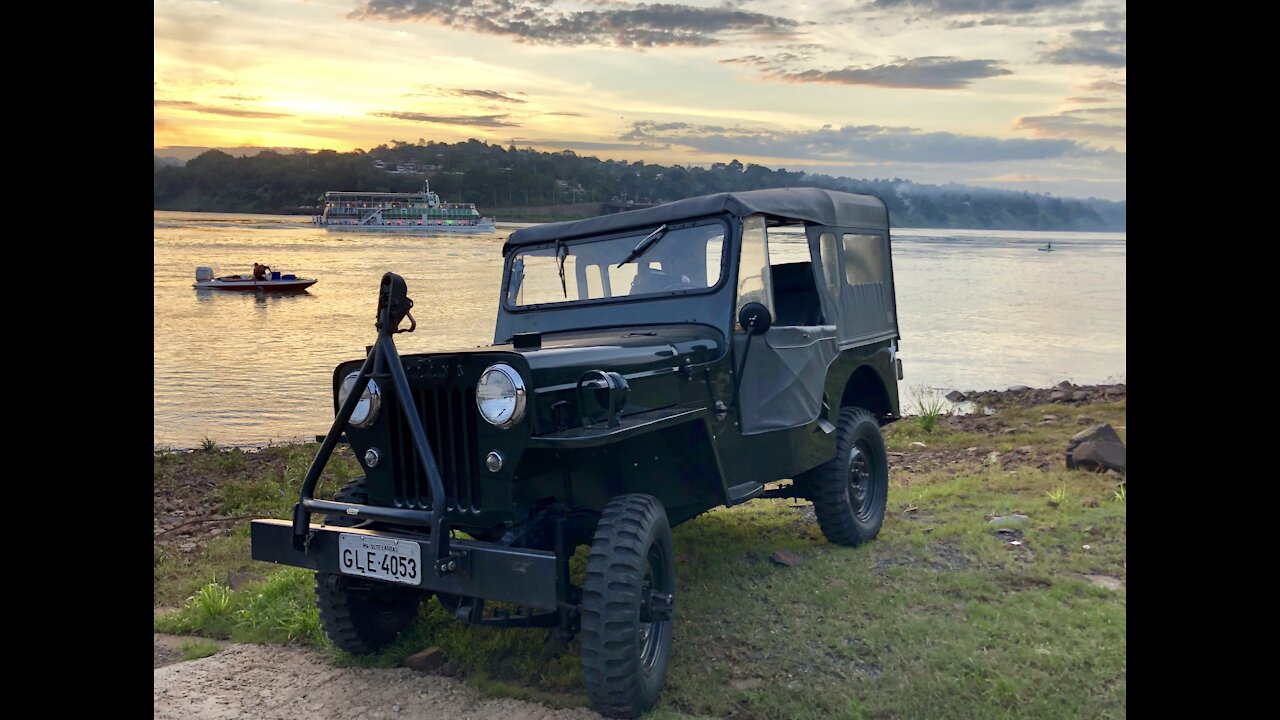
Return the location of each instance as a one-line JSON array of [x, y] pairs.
[[492, 176]]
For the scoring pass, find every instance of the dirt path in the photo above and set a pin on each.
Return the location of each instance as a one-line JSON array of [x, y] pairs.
[[270, 683]]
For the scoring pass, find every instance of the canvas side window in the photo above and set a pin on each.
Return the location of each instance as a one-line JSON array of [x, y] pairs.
[[866, 271], [754, 282], [864, 260], [830, 263]]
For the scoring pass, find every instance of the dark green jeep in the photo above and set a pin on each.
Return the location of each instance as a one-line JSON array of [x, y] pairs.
[[647, 367]]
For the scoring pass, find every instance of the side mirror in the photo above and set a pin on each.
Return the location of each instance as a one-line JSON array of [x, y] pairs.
[[755, 318]]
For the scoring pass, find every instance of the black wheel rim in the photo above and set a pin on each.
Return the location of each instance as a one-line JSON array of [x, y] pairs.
[[862, 484], [650, 636]]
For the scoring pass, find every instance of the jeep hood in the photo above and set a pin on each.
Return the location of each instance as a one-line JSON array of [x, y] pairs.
[[633, 352]]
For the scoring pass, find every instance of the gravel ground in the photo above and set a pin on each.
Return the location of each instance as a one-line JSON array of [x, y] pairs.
[[275, 683]]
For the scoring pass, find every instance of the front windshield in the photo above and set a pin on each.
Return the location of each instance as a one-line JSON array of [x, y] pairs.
[[684, 258]]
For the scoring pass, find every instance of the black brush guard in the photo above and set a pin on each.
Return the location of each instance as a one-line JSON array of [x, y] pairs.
[[382, 362], [469, 571]]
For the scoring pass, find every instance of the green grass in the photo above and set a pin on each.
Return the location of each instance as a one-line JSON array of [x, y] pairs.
[[941, 616], [196, 649], [280, 609], [232, 483]]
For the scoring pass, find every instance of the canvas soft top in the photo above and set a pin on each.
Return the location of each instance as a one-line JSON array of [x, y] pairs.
[[812, 205]]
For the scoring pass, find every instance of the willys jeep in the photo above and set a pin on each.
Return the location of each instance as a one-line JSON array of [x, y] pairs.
[[647, 367]]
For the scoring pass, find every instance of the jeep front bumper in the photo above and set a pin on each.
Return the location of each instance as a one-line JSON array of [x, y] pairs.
[[485, 570]]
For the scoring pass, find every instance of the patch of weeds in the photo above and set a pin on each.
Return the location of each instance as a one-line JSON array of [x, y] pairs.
[[280, 610], [208, 444], [930, 404], [213, 600], [1057, 496], [1118, 495]]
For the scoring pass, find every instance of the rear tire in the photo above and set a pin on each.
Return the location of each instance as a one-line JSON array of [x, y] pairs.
[[624, 660], [359, 616], [851, 490]]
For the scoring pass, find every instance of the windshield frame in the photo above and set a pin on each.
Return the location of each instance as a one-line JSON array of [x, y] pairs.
[[728, 248]]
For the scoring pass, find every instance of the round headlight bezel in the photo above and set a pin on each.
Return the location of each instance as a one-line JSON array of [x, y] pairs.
[[372, 393], [517, 383]]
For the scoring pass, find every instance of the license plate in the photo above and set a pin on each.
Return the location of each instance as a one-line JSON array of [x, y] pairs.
[[397, 561]]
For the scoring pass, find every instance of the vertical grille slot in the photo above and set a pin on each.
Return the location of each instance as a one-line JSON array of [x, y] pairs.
[[448, 416]]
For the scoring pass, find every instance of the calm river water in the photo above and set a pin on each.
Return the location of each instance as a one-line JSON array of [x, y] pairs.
[[977, 309]]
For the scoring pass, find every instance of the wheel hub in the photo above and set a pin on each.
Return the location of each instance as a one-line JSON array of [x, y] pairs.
[[861, 480], [655, 614]]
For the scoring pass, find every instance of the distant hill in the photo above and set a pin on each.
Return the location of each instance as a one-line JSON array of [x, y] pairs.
[[493, 176]]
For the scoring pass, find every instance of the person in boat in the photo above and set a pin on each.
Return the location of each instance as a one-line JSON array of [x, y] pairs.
[[261, 272]]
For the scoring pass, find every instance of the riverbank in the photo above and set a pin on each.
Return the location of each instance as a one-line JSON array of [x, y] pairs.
[[996, 586]]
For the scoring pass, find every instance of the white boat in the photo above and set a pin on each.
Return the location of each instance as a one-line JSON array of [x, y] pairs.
[[275, 282], [399, 212]]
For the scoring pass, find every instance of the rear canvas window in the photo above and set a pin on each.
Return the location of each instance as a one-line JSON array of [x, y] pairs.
[[864, 260]]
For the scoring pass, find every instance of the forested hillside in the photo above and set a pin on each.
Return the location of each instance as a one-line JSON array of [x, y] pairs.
[[493, 176]]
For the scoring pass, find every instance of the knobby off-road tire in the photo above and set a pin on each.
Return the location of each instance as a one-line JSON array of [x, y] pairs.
[[360, 616], [850, 491], [624, 659]]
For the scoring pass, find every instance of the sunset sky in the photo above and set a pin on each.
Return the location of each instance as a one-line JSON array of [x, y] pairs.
[[1018, 94]]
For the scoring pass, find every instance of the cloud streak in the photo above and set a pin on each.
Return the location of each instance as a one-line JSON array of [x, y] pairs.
[[924, 73], [614, 23], [218, 110], [494, 121], [1100, 124], [974, 7], [1107, 48], [482, 95], [853, 143], [587, 145], [1111, 86]]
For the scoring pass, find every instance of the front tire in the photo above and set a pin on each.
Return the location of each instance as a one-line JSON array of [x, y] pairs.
[[624, 659], [851, 490], [360, 616]]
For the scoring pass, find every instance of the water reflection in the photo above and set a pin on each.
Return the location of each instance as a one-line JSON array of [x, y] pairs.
[[260, 297]]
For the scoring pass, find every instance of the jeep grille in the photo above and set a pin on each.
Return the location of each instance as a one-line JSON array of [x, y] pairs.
[[449, 418]]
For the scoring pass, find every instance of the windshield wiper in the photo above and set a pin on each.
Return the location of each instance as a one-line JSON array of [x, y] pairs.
[[562, 254], [649, 241]]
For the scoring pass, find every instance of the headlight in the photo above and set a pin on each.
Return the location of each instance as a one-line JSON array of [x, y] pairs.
[[370, 400], [500, 396]]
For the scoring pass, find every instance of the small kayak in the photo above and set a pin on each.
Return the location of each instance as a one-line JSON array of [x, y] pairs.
[[246, 283], [1045, 249]]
